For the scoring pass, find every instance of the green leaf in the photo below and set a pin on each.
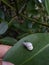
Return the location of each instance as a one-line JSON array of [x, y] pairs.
[[1, 14], [3, 27], [38, 56], [30, 6], [47, 6], [25, 26], [8, 41], [22, 35]]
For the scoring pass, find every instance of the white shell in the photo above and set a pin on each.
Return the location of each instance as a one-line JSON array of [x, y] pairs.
[[28, 45], [40, 1]]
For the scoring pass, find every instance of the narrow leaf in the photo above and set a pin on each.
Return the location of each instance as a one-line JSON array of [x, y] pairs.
[[47, 6]]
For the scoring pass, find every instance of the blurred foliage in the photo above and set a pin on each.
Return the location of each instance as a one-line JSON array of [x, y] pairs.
[[19, 18]]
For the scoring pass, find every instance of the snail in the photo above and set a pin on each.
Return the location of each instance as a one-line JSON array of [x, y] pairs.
[[40, 1], [28, 45]]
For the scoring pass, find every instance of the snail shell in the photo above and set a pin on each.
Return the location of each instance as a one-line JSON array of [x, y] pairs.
[[28, 45], [40, 1]]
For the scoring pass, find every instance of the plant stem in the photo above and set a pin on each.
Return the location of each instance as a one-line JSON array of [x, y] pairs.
[[34, 20], [8, 4], [12, 20], [16, 6]]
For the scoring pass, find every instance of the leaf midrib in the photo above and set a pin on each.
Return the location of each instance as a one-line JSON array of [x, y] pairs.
[[42, 49]]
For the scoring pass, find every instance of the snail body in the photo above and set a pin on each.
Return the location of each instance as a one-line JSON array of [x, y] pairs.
[[28, 45]]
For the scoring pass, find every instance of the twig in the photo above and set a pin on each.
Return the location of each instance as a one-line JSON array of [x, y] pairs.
[[12, 20], [23, 7], [8, 4], [16, 6], [34, 20]]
